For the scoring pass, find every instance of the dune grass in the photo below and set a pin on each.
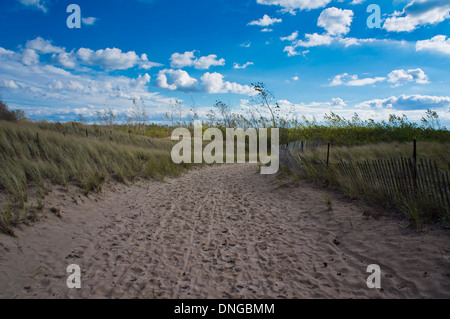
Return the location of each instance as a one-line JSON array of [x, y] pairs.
[[35, 156], [420, 210]]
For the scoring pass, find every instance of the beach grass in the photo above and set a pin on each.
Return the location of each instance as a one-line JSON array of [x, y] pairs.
[[36, 156]]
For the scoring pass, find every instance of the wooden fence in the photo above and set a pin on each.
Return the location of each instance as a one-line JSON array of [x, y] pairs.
[[404, 179]]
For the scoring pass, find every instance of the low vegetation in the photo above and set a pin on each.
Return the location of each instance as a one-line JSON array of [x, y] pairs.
[[34, 156]]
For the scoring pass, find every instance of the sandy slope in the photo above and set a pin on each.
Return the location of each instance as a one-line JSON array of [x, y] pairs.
[[221, 232]]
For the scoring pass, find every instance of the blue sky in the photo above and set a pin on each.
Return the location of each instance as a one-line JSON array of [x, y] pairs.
[[315, 56]]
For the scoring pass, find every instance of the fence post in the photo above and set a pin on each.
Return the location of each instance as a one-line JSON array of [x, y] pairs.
[[328, 154], [415, 165]]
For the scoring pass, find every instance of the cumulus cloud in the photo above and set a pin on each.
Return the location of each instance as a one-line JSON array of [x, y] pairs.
[[418, 13], [400, 77], [29, 57], [336, 21], [110, 59], [314, 40], [214, 83], [396, 77], [55, 86], [290, 5], [414, 106], [439, 43], [291, 51], [408, 102], [357, 1], [354, 80], [66, 60], [188, 59], [244, 66], [43, 46], [291, 37], [337, 102], [176, 80], [265, 21], [26, 78], [12, 84], [211, 83], [107, 59]]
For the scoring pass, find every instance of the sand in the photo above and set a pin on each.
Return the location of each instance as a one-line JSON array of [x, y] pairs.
[[221, 232]]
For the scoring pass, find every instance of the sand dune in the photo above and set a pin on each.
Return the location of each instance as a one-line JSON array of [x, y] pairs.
[[221, 232]]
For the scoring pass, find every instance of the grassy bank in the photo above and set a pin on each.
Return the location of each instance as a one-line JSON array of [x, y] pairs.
[[35, 156]]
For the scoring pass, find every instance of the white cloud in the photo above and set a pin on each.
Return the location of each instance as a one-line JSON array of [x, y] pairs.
[[265, 21], [188, 59], [6, 52], [39, 82], [214, 83], [211, 83], [378, 109], [11, 84], [89, 20], [245, 45], [354, 80], [408, 102], [38, 4], [418, 13], [108, 59], [66, 60], [179, 61], [146, 64], [336, 21], [29, 57], [291, 51], [176, 80], [244, 66], [314, 40], [357, 2], [337, 102], [396, 77], [113, 59], [30, 82], [43, 46], [439, 43], [290, 5], [354, 41], [291, 37], [205, 62], [400, 77]]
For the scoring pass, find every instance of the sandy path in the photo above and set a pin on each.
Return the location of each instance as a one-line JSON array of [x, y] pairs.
[[221, 232]]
